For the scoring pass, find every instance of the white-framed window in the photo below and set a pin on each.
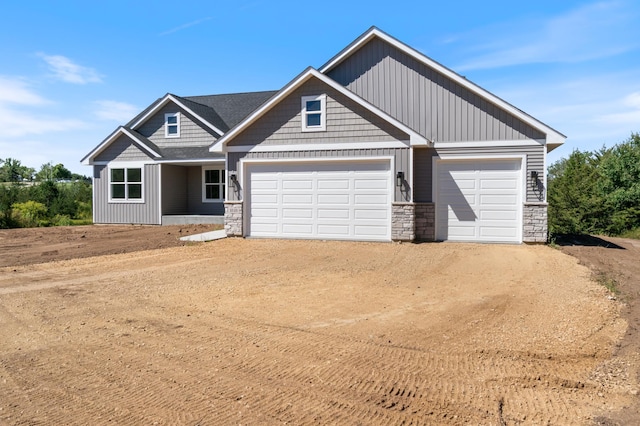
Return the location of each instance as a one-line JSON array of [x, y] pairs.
[[314, 113], [213, 184], [172, 125], [126, 184]]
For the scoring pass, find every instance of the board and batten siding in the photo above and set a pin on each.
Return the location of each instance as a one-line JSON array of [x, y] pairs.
[[191, 133], [130, 213], [346, 121], [122, 149], [423, 165], [194, 195], [174, 194], [425, 100], [401, 159]]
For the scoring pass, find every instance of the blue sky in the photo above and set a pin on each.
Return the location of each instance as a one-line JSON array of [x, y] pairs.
[[72, 71]]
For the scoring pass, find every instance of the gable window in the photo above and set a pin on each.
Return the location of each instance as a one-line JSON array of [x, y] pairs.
[[213, 185], [172, 125], [314, 113], [125, 184]]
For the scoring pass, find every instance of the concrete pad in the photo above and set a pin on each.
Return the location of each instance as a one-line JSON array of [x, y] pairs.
[[206, 236]]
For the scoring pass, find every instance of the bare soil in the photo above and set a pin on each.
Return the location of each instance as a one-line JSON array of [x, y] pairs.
[[311, 332]]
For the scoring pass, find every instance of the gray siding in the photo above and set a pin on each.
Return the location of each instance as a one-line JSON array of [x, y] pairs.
[[122, 149], [194, 195], [191, 132], [425, 100], [138, 213], [423, 166], [346, 122], [422, 174], [401, 162], [174, 190]]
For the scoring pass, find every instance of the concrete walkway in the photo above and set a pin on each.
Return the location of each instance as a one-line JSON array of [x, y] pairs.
[[206, 236]]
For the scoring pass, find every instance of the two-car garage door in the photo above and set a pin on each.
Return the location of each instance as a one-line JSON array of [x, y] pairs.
[[348, 200], [479, 200]]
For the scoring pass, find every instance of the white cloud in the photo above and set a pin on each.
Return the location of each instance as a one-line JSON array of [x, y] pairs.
[[115, 111], [16, 123], [17, 91], [593, 31], [66, 70]]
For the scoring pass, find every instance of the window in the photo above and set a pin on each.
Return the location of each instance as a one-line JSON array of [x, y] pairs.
[[172, 125], [314, 113], [213, 185], [125, 184]]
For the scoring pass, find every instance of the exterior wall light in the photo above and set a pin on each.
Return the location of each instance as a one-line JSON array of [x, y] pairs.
[[233, 177], [399, 178]]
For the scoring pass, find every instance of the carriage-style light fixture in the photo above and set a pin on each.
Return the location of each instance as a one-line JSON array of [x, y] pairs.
[[233, 177], [399, 178]]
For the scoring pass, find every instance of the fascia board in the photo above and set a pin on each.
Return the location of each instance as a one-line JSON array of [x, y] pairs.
[[218, 146], [553, 136], [88, 159], [170, 98]]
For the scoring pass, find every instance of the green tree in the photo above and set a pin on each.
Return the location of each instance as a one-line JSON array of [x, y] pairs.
[[8, 196], [52, 172], [575, 206], [619, 185], [29, 213], [11, 170]]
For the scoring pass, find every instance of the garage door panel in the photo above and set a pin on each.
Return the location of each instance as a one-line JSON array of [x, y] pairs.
[[337, 199], [498, 200], [260, 198], [306, 184], [346, 200], [297, 198], [297, 229], [479, 200], [377, 199], [293, 213], [332, 184]]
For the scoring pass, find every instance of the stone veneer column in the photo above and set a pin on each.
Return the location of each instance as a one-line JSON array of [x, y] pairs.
[[403, 222], [233, 218], [534, 222], [425, 228]]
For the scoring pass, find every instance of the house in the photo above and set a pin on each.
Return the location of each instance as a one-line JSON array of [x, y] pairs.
[[381, 143]]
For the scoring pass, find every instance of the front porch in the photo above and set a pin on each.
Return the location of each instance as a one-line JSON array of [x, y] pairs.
[[192, 219]]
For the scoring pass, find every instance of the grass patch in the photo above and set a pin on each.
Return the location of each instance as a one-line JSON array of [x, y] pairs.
[[607, 282], [633, 233]]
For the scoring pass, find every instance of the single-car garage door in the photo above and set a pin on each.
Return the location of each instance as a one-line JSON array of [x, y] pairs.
[[479, 200], [340, 200]]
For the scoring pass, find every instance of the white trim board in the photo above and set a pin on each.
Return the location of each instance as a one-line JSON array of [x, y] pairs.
[[87, 160]]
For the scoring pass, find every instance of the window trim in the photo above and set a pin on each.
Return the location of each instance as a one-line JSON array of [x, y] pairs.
[[222, 184], [323, 113], [126, 184], [166, 124]]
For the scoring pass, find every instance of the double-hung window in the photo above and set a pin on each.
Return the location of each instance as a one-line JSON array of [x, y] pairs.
[[172, 125], [125, 184], [314, 113], [213, 185]]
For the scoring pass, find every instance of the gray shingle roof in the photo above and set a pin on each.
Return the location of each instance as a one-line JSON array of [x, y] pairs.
[[188, 153], [231, 108]]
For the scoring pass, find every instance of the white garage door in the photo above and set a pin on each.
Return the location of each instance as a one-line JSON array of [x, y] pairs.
[[479, 200], [344, 200]]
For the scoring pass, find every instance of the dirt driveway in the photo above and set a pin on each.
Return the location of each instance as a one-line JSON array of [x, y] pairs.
[[309, 332]]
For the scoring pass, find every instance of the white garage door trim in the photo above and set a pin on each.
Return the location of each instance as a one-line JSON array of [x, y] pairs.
[[338, 199], [492, 217]]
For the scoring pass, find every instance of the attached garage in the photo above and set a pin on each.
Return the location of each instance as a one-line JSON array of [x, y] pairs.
[[349, 200], [479, 199]]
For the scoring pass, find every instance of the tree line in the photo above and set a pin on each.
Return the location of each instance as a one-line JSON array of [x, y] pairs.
[[51, 196], [596, 192]]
